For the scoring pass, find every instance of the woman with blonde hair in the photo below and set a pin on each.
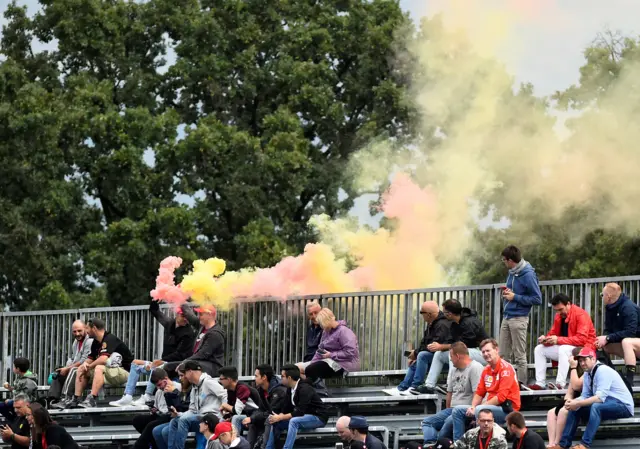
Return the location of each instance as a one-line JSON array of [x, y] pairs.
[[337, 352]]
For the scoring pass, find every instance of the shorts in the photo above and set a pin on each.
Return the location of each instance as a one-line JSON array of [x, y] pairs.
[[115, 377]]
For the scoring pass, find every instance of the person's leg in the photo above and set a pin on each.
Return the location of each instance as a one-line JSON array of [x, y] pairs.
[[564, 352], [610, 409], [476, 355], [70, 382], [146, 438], [82, 379], [614, 349], [55, 390], [630, 349], [573, 419], [421, 367], [519, 327], [540, 355], [188, 422], [134, 375], [561, 422], [265, 434], [160, 436], [236, 422], [98, 380], [440, 358], [297, 423], [447, 429], [504, 340], [274, 434], [173, 432], [432, 424], [499, 416], [140, 421], [319, 370], [408, 377], [151, 388], [551, 426], [459, 417]]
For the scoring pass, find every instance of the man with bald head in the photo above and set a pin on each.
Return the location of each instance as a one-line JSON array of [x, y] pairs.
[[621, 328], [314, 331], [342, 427], [64, 377], [437, 333]]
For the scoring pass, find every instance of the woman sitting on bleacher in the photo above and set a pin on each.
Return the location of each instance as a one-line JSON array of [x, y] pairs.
[[46, 432], [557, 416], [338, 351]]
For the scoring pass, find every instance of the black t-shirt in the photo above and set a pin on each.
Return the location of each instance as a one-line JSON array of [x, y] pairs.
[[531, 440], [564, 328], [20, 426], [110, 344]]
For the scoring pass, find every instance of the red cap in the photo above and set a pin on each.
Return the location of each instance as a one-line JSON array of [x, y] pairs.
[[223, 427], [207, 308], [587, 352]]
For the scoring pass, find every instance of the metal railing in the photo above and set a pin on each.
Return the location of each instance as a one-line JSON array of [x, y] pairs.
[[274, 331]]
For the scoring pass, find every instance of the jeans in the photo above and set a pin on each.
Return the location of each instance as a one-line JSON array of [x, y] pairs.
[[460, 419], [145, 425], [134, 374], [611, 408], [417, 371], [440, 359], [236, 422], [179, 429], [513, 344], [292, 426], [438, 426], [161, 435]]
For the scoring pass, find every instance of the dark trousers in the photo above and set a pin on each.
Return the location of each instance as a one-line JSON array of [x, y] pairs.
[[6, 410], [321, 370], [145, 425]]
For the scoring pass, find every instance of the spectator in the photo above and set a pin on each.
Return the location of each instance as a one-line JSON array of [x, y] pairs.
[[342, 427], [337, 352], [207, 396], [24, 383], [498, 382], [108, 363], [272, 397], [572, 327], [488, 435], [208, 349], [45, 432], [178, 401], [159, 412], [524, 439], [229, 437], [461, 385], [604, 396], [242, 400], [360, 429], [207, 428], [178, 345], [18, 432], [522, 292], [303, 408], [314, 331], [557, 416], [465, 327], [436, 334], [621, 322], [64, 378]]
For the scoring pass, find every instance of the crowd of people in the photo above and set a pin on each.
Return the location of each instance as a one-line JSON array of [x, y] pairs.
[[190, 390]]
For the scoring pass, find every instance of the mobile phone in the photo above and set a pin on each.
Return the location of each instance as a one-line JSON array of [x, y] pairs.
[[322, 351], [407, 353], [503, 287]]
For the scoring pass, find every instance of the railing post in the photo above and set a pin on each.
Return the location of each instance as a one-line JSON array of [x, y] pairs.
[[586, 298], [238, 355], [497, 309]]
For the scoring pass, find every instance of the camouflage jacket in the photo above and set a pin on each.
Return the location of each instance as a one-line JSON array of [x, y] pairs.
[[468, 441], [27, 385]]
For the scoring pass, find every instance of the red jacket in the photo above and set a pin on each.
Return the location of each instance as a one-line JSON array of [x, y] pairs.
[[581, 330], [501, 382]]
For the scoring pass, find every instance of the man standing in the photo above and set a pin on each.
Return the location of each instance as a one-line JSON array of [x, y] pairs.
[[303, 409], [462, 382], [572, 327], [525, 439], [488, 435], [436, 336], [108, 363], [498, 382], [64, 380], [621, 328], [604, 396], [360, 430], [522, 292]]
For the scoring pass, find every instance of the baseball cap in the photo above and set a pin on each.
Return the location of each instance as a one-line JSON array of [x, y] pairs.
[[210, 420], [192, 365], [358, 422], [206, 308], [222, 427], [587, 352]]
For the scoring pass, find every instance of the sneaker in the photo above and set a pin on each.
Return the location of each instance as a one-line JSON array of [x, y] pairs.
[[425, 389], [142, 400], [127, 399], [440, 390], [392, 392], [74, 402], [523, 387], [410, 392], [61, 404], [536, 387], [90, 402]]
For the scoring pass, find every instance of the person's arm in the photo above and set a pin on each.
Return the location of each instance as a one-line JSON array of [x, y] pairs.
[[582, 337], [449, 395], [508, 383], [191, 317], [163, 319], [102, 360], [532, 295], [630, 326], [183, 349], [449, 387], [209, 345], [349, 347]]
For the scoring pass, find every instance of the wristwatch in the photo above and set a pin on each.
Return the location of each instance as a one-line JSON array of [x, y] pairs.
[[607, 339]]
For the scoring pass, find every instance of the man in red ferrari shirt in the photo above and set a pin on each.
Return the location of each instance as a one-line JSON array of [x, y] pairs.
[[572, 327], [498, 382]]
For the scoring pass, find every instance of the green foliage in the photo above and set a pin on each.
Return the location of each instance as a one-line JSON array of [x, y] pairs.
[[98, 184]]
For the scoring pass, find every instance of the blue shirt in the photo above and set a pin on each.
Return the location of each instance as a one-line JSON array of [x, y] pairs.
[[607, 384]]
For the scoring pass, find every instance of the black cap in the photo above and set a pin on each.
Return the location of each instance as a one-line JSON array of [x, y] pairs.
[[192, 365], [358, 422], [210, 420]]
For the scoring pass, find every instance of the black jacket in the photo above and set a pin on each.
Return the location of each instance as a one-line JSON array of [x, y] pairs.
[[373, 443], [621, 319], [307, 402], [469, 330], [178, 399], [531, 440], [56, 435], [178, 341], [273, 402], [210, 352], [314, 334], [437, 332]]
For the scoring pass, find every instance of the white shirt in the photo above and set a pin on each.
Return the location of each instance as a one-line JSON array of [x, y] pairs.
[[293, 392]]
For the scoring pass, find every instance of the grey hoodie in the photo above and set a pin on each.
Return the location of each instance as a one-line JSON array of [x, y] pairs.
[[80, 354], [207, 396]]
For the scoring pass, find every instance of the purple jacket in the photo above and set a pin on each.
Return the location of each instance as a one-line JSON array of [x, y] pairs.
[[342, 343]]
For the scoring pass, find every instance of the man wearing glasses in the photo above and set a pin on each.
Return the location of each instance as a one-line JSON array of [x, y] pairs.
[[436, 335], [488, 435]]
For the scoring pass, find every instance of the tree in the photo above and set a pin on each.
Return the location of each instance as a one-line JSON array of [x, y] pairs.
[[113, 158]]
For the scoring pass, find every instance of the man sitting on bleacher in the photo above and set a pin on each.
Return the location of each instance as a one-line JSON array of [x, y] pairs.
[[489, 435], [108, 363], [621, 327], [65, 379], [360, 432], [498, 382], [604, 396], [303, 409], [18, 431], [572, 327], [436, 335], [242, 400], [461, 385]]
